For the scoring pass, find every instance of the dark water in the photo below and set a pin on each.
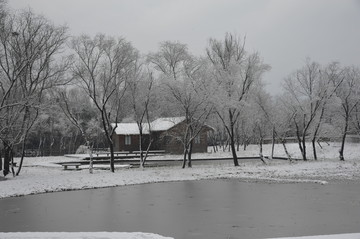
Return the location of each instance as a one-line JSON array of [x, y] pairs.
[[196, 209]]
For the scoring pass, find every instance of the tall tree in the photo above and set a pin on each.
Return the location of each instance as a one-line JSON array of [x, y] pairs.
[[169, 59], [183, 79], [79, 112], [260, 107], [141, 94], [305, 92], [31, 64], [348, 94], [331, 78], [235, 75], [101, 66]]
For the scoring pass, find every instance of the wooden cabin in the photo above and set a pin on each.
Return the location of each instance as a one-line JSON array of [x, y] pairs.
[[165, 134]]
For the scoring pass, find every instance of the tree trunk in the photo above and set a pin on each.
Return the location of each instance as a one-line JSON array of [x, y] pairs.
[[214, 148], [283, 142], [304, 147], [112, 163], [12, 162], [184, 159], [51, 144], [91, 167], [147, 152], [313, 142], [233, 151], [341, 151], [22, 157], [261, 151], [189, 154], [7, 159], [273, 143], [39, 147], [1, 163], [300, 142], [140, 149]]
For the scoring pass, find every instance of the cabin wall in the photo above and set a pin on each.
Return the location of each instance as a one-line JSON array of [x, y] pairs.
[[119, 143], [163, 140], [170, 144]]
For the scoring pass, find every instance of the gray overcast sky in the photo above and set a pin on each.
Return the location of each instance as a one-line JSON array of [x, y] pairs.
[[285, 32]]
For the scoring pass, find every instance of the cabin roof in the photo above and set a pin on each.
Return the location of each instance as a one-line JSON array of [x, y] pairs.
[[129, 129], [160, 124], [163, 124]]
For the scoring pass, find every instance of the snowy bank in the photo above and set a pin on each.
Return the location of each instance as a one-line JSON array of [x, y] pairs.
[[40, 175]]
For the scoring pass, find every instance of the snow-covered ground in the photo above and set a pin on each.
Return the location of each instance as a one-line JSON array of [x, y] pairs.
[[42, 174]]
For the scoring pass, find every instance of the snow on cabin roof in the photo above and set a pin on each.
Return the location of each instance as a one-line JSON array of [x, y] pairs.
[[129, 128], [161, 124]]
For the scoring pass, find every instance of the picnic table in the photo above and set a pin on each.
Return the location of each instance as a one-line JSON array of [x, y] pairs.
[[115, 153], [130, 152], [67, 165]]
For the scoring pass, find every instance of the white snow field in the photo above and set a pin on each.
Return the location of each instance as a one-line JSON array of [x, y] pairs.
[[42, 174]]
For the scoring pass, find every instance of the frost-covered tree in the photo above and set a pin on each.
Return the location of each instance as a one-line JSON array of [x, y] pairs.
[[169, 59], [305, 92], [101, 67], [235, 73], [261, 105], [140, 95], [356, 119], [331, 78], [348, 93], [78, 110], [31, 64], [184, 83]]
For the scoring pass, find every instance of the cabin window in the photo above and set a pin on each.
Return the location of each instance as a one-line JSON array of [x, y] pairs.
[[166, 140], [127, 139], [197, 139]]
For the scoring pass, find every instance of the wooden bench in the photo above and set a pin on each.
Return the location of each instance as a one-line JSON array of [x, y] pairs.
[[150, 152], [76, 165], [115, 153]]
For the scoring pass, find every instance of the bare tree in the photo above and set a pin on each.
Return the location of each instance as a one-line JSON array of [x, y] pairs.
[[305, 98], [235, 75], [73, 106], [101, 67], [140, 87], [191, 98], [260, 108], [169, 59], [348, 94], [356, 118], [184, 83], [31, 65], [331, 78]]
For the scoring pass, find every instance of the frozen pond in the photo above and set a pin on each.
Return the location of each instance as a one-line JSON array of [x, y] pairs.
[[193, 209]]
